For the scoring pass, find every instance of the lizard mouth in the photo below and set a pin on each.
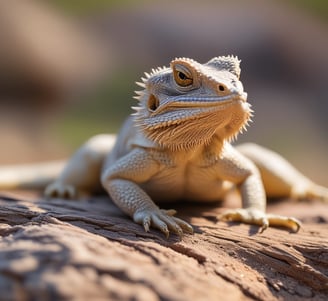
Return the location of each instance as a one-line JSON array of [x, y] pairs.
[[194, 102], [184, 109]]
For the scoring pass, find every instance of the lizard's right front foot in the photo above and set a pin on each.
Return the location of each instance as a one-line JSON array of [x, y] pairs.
[[162, 220], [60, 190]]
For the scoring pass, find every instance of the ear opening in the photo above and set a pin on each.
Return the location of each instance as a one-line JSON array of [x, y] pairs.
[[152, 103]]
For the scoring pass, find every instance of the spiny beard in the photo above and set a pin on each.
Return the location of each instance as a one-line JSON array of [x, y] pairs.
[[196, 131]]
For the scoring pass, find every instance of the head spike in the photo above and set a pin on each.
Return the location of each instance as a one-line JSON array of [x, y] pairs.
[[136, 108], [139, 92], [229, 63], [140, 84]]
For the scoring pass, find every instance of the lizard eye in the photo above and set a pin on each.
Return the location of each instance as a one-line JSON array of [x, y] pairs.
[[182, 76]]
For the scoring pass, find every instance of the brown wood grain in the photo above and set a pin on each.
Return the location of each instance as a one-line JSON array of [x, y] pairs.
[[89, 250]]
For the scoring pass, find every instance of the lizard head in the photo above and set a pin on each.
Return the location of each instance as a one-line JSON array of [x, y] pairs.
[[188, 104]]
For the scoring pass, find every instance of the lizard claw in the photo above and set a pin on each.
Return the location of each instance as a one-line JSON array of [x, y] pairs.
[[257, 217], [146, 224], [162, 220]]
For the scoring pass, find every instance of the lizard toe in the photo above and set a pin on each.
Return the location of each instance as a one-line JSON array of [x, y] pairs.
[[60, 190], [249, 216], [184, 225], [169, 212], [178, 225], [159, 224], [146, 223], [291, 223], [163, 221], [172, 225], [257, 217]]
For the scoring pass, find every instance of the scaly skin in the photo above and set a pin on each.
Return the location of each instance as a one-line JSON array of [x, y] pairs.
[[177, 147]]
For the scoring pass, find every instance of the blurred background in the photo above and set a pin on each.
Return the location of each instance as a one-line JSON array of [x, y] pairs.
[[67, 69]]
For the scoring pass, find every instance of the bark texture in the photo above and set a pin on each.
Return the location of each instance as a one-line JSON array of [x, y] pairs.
[[89, 250]]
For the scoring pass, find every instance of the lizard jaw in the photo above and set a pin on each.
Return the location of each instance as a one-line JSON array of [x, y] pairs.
[[182, 127]]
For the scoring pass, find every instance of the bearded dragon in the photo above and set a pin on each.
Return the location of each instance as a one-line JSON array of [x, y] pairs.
[[177, 146]]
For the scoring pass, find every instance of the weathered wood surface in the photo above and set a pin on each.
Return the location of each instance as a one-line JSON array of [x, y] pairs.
[[88, 250]]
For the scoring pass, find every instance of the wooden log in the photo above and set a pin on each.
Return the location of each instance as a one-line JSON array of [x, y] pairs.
[[89, 250]]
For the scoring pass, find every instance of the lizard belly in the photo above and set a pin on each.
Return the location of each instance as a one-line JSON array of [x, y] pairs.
[[174, 184]]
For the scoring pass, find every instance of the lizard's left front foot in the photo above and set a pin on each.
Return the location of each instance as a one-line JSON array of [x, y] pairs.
[[258, 217], [162, 220]]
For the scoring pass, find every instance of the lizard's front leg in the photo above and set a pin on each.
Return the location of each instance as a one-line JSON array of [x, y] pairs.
[[253, 211], [236, 168], [121, 182]]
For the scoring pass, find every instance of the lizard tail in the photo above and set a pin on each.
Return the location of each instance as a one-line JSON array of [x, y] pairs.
[[29, 176]]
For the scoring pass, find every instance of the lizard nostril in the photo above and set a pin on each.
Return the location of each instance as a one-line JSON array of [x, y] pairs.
[[222, 89]]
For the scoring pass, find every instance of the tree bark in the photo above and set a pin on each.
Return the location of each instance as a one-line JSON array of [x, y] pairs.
[[89, 250]]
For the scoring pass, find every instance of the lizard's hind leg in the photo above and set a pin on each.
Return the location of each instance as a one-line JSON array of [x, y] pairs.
[[279, 177], [82, 172]]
